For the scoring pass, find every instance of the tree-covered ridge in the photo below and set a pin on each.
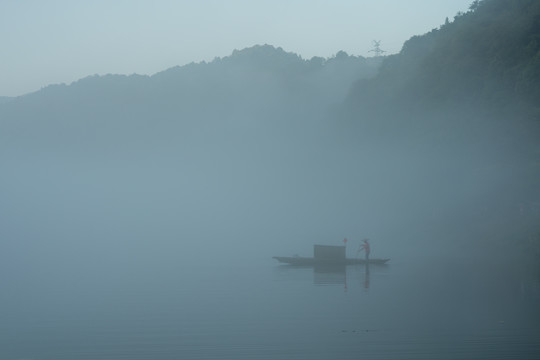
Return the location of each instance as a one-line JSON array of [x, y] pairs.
[[241, 67], [257, 85], [226, 144], [463, 101], [488, 57]]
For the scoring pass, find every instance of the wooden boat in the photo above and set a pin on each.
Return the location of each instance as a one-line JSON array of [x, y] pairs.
[[325, 255], [311, 261]]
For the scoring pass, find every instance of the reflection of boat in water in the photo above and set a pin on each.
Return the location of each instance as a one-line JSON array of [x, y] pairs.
[[325, 255]]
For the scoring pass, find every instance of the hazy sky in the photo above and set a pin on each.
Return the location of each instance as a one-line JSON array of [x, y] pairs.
[[60, 41]]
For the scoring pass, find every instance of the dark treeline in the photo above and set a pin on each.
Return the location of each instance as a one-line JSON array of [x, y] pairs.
[[485, 58]]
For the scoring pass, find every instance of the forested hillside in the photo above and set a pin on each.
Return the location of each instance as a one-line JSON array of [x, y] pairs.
[[467, 96], [487, 58], [188, 156], [435, 148], [252, 87]]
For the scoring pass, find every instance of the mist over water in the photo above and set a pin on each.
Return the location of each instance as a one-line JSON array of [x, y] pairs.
[[267, 311], [139, 216]]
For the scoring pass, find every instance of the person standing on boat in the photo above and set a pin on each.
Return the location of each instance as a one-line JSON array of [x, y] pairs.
[[365, 247]]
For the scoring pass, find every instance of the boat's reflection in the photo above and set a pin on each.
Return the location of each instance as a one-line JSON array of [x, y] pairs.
[[366, 277], [330, 275], [335, 274]]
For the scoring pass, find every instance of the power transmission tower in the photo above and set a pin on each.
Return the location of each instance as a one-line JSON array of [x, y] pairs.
[[377, 48]]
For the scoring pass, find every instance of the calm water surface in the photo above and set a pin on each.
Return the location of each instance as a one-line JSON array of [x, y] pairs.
[[406, 310]]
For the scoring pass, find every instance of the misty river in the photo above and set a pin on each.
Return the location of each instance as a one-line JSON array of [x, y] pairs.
[[139, 213], [408, 309]]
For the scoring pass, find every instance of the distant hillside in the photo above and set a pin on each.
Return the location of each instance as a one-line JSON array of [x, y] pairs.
[[474, 81], [193, 152], [434, 148], [262, 72], [466, 98], [488, 57], [251, 87]]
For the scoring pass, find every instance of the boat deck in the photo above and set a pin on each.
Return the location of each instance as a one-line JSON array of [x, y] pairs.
[[309, 261]]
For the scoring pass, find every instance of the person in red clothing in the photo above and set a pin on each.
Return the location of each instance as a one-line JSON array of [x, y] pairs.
[[365, 247]]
